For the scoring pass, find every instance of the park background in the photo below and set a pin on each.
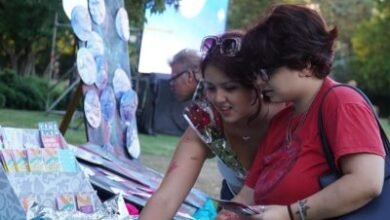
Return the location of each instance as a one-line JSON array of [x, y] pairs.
[[32, 76]]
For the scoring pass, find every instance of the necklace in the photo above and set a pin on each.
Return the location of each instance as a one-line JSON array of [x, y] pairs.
[[290, 132], [248, 137]]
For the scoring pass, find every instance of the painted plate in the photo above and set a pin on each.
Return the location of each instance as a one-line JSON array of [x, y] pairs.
[[86, 66], [128, 105], [107, 103], [101, 72], [92, 109], [95, 44], [132, 141], [68, 6], [97, 8], [122, 24], [120, 82], [81, 22]]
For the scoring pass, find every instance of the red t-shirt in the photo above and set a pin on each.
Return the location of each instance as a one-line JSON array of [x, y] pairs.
[[283, 173]]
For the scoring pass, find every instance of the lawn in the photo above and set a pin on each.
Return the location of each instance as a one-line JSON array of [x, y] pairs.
[[162, 145]]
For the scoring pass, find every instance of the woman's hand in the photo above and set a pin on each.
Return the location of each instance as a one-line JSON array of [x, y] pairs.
[[271, 212], [227, 215]]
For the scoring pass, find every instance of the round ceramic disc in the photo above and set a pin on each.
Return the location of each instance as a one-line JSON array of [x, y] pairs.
[[101, 72], [92, 109], [97, 8], [68, 6], [107, 103], [122, 24], [81, 22], [120, 82], [132, 141], [95, 44], [86, 66], [128, 105]]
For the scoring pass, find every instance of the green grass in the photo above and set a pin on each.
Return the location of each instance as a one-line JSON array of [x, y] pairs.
[[162, 145]]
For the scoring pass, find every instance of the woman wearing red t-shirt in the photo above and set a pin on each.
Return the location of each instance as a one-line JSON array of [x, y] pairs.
[[292, 50]]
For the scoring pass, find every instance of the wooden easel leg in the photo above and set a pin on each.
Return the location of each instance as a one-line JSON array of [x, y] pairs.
[[71, 108]]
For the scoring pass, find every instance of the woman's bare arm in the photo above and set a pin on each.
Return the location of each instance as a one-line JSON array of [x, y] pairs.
[[180, 177]]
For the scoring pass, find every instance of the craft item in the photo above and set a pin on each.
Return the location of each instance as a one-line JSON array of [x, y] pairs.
[[35, 160], [84, 202], [20, 157], [95, 44], [66, 202], [81, 22], [97, 8], [50, 135], [120, 82], [86, 66], [8, 160], [27, 201], [67, 160], [107, 103], [51, 160], [92, 109], [31, 138], [68, 6], [101, 73], [128, 105], [122, 24]]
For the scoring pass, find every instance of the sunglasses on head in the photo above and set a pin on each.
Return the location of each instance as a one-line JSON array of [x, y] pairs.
[[228, 46]]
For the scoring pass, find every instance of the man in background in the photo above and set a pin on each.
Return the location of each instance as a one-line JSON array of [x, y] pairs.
[[185, 73]]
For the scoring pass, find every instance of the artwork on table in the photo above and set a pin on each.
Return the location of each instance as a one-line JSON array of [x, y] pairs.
[[86, 66], [97, 9], [81, 22], [92, 108]]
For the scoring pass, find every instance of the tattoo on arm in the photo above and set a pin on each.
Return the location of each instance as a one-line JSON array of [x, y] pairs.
[[303, 207]]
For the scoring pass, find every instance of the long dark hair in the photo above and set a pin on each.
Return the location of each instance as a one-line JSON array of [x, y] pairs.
[[235, 68]]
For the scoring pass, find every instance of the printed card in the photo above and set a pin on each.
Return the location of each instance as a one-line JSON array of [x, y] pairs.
[[27, 201], [84, 202], [66, 203], [50, 135], [67, 160], [51, 160], [35, 160], [8, 160], [20, 157]]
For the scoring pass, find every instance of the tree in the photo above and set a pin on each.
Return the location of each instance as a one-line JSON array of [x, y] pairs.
[[25, 31], [372, 49]]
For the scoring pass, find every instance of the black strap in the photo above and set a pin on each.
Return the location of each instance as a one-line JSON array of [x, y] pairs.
[[325, 144]]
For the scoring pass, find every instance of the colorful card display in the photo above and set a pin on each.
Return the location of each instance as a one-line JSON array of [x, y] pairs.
[[67, 160], [66, 203], [85, 203], [8, 161], [27, 201], [20, 157], [51, 159], [35, 160], [50, 135]]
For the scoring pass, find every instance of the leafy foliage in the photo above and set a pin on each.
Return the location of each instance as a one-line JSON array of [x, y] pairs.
[[372, 48]]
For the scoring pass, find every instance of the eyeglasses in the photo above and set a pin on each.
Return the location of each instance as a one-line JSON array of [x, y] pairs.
[[265, 73], [178, 75], [228, 46]]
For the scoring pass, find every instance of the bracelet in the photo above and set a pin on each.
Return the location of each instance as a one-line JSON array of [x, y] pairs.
[[300, 210], [290, 212]]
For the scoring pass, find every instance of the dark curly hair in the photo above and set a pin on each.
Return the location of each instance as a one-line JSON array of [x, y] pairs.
[[291, 35]]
